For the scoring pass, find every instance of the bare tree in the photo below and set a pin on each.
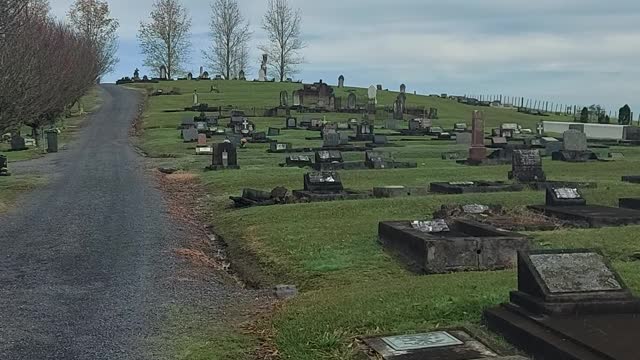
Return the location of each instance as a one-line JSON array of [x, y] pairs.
[[166, 39], [282, 24], [229, 34], [44, 67], [90, 18]]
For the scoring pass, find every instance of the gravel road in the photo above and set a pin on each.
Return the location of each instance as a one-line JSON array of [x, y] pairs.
[[87, 263]]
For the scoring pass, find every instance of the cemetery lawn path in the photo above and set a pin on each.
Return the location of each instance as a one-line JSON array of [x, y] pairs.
[[88, 266]]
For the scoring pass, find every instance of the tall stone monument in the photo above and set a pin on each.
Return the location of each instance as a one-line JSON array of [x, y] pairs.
[[477, 151], [262, 74]]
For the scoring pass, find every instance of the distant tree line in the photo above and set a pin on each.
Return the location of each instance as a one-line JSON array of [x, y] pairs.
[[46, 66], [165, 38]]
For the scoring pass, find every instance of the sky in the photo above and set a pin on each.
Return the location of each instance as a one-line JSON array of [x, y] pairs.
[[578, 52]]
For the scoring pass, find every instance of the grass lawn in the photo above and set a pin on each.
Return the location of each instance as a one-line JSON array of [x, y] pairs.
[[12, 186], [350, 286]]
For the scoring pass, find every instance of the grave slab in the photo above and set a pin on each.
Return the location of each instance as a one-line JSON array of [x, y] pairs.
[[593, 216], [630, 203], [399, 191], [467, 246], [570, 304], [631, 179], [454, 344], [464, 187]]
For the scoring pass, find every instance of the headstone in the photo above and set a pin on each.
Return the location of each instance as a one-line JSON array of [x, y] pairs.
[[18, 143], [189, 76], [195, 98], [584, 115], [299, 160], [527, 166], [224, 156], [136, 74], [190, 135], [284, 99], [241, 75], [262, 74], [273, 132], [624, 116], [372, 93], [378, 87], [163, 73], [297, 100], [292, 123], [403, 88], [564, 196], [351, 101], [4, 163], [375, 160], [433, 113], [574, 141], [477, 151], [341, 81], [323, 182], [279, 147], [380, 140], [331, 139], [460, 127], [202, 140], [52, 140]]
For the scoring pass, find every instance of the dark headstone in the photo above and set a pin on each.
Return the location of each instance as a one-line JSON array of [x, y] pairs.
[[477, 151], [279, 147], [4, 163], [351, 101], [574, 140], [274, 131], [225, 156], [624, 116], [52, 140], [527, 166], [328, 182], [18, 143]]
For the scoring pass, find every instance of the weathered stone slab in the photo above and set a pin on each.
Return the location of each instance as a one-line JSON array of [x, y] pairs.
[[464, 187]]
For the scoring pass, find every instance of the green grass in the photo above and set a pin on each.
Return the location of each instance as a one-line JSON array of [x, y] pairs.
[[350, 286], [11, 187]]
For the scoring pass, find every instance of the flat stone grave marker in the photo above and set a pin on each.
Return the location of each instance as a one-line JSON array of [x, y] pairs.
[[499, 141], [190, 135], [204, 150], [564, 197], [464, 187], [273, 132], [573, 303], [454, 344], [328, 157], [279, 147], [299, 160]]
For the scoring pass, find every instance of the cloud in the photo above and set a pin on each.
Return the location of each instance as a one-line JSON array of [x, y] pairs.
[[578, 51]]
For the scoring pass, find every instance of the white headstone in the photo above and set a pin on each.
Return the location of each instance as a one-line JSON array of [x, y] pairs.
[[195, 98], [373, 93]]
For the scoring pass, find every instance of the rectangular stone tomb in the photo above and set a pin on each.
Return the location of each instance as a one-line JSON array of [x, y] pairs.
[[630, 203], [631, 179], [465, 246], [570, 304], [464, 187], [299, 161], [326, 186], [399, 191], [276, 147], [593, 216], [224, 157], [328, 156], [446, 345]]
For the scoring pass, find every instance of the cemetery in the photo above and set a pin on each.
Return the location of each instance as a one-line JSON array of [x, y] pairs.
[[316, 213]]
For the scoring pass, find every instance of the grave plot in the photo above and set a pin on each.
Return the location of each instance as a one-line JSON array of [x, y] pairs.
[[252, 197], [326, 186], [454, 344], [512, 219], [568, 204], [441, 246], [463, 187], [630, 203], [399, 191], [570, 304]]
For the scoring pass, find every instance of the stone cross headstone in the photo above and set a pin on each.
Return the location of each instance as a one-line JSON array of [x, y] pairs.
[[574, 140], [341, 81], [540, 129], [624, 116], [477, 151], [527, 166]]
